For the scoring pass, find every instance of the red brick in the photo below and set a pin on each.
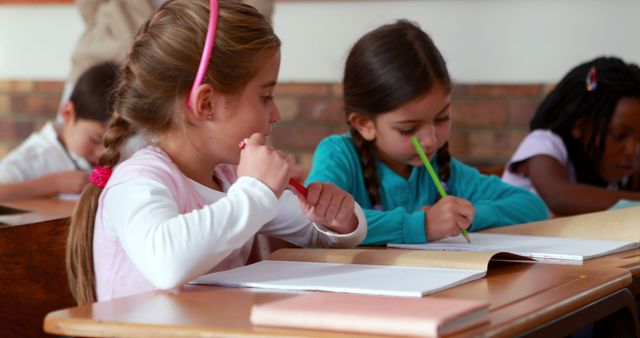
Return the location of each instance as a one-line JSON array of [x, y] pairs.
[[5, 148], [289, 108], [4, 105], [336, 90], [323, 110], [302, 89], [521, 112], [458, 145], [35, 104], [341, 128], [497, 145], [5, 86], [479, 113], [50, 86], [459, 91], [21, 86], [298, 137], [505, 91], [23, 129], [546, 89], [12, 130]]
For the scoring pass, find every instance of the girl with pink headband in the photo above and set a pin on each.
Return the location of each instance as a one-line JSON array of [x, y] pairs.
[[192, 201]]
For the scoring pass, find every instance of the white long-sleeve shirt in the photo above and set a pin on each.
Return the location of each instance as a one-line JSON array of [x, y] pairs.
[[168, 247]]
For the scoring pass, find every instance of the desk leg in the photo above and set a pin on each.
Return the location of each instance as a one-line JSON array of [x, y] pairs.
[[613, 316]]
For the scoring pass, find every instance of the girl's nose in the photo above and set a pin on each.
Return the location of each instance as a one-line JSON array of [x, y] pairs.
[[274, 116], [428, 138], [632, 147]]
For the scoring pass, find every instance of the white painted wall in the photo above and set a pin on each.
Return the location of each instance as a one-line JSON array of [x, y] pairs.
[[484, 41]]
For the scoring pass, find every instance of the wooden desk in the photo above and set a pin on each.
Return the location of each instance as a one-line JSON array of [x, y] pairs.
[[525, 299], [39, 210], [32, 275], [629, 260]]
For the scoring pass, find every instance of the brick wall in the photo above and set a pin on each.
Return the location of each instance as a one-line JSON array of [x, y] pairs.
[[24, 107], [489, 121]]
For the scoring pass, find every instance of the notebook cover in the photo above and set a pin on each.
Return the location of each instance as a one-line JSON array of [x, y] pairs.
[[423, 317]]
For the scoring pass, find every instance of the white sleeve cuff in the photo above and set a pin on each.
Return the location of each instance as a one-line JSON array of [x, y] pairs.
[[359, 233]]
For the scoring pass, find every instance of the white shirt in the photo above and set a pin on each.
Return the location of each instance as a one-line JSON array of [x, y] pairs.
[[541, 142], [40, 154], [170, 248]]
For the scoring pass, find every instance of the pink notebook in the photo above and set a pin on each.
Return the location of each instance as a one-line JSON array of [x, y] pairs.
[[422, 317]]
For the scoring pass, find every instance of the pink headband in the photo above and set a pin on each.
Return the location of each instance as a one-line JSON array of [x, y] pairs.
[[208, 49]]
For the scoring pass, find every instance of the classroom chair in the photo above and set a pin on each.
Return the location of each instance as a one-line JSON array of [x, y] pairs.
[[33, 279]]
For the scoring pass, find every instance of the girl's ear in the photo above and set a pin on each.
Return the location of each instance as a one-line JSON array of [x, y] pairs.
[[68, 113], [364, 125], [204, 103]]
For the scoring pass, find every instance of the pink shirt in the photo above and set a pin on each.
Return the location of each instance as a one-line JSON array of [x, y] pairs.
[[162, 230]]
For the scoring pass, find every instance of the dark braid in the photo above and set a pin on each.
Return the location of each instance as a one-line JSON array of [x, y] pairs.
[[367, 159], [387, 68], [444, 162]]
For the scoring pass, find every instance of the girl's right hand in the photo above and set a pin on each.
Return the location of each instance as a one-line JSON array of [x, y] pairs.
[[266, 164], [447, 217]]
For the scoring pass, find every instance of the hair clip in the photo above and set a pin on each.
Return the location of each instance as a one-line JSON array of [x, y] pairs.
[[100, 176], [592, 80], [208, 49]]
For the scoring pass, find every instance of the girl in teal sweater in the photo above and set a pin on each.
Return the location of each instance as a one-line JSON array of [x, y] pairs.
[[396, 85]]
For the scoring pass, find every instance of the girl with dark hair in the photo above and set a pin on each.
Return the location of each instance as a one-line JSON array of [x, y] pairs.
[[56, 160], [396, 85], [584, 144]]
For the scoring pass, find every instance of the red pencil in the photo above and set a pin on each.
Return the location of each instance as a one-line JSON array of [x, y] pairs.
[[301, 189]]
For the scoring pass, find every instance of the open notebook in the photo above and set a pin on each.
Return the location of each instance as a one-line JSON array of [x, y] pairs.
[[571, 239], [536, 247], [406, 273], [421, 317], [614, 225]]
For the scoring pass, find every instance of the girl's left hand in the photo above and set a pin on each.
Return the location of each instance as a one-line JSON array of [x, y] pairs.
[[330, 206]]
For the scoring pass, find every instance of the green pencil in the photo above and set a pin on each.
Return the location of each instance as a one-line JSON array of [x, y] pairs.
[[434, 177]]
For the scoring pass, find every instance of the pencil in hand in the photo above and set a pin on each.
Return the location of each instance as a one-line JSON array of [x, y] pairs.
[[435, 178], [301, 189]]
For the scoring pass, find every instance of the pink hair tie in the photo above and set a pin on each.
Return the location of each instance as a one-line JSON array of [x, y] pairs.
[[100, 175]]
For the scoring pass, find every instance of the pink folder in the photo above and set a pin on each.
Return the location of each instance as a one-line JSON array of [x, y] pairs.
[[421, 317]]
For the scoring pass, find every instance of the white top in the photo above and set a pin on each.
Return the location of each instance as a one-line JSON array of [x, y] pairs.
[[170, 248], [40, 154], [542, 142], [538, 142]]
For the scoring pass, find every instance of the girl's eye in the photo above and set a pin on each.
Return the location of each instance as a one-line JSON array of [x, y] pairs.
[[443, 119], [618, 136], [267, 98], [407, 131]]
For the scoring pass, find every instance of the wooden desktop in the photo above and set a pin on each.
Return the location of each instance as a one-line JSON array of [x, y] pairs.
[[525, 299]]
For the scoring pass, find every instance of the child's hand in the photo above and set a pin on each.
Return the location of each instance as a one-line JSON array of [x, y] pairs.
[[68, 182], [330, 206], [447, 217], [266, 164]]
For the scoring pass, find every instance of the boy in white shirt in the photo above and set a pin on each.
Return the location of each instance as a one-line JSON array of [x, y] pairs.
[[57, 159]]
